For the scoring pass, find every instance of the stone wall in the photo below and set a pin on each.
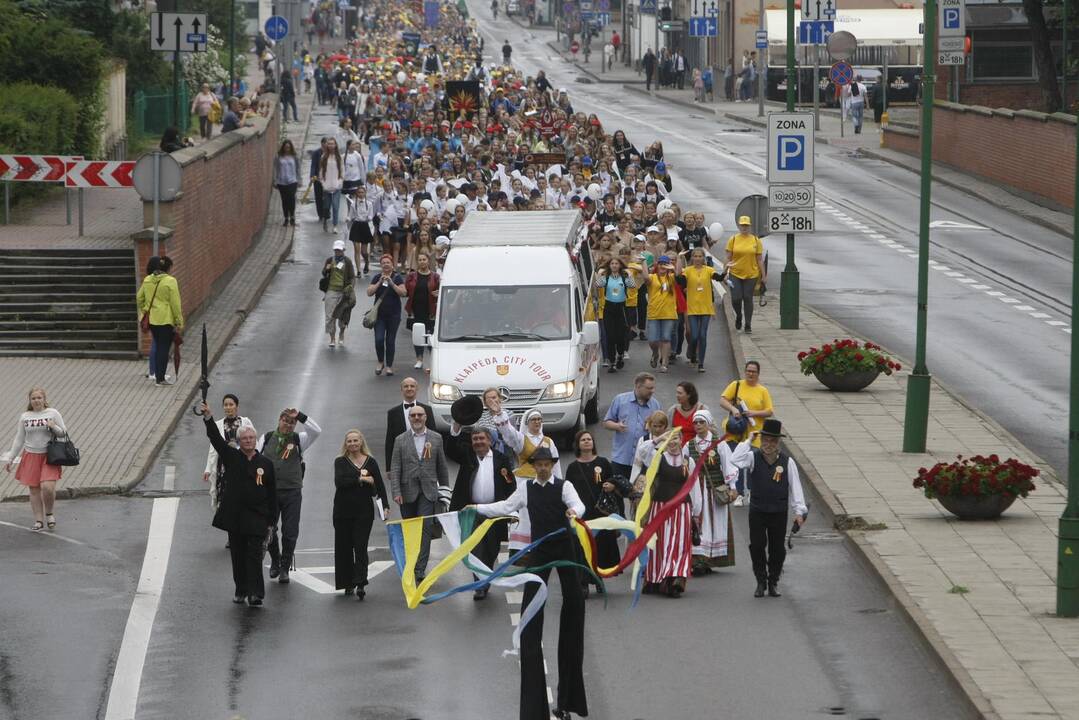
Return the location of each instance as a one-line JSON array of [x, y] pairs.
[[225, 195], [1029, 153]]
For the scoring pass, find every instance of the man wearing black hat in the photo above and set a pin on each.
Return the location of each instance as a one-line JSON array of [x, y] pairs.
[[550, 503], [485, 475], [773, 475]]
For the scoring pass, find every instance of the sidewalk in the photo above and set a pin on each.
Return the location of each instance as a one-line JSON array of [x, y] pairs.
[[1000, 640], [120, 420]]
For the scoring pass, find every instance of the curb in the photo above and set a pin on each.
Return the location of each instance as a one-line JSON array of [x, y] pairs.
[[856, 540], [588, 71], [703, 107]]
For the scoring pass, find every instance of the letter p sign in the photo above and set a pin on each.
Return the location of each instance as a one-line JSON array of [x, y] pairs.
[[791, 152], [952, 18]]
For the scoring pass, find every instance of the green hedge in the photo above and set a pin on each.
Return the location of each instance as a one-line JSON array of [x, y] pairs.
[[37, 120]]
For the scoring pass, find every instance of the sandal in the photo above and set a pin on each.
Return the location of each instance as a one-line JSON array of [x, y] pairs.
[[378, 370], [38, 526], [50, 521]]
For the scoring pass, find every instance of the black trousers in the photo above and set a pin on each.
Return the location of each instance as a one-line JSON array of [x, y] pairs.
[[288, 511], [350, 561], [487, 550], [571, 692], [323, 212], [246, 553], [162, 335], [288, 199], [616, 328], [766, 535]]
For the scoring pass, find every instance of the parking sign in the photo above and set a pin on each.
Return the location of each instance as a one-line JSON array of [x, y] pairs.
[[790, 148], [952, 18]]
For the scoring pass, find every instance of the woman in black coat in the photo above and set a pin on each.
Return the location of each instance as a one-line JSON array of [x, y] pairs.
[[359, 482], [592, 477]]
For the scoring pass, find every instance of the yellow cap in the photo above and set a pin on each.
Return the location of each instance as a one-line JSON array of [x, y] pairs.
[[744, 220]]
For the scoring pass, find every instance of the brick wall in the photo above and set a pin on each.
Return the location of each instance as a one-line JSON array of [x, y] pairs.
[[226, 190], [1030, 153]]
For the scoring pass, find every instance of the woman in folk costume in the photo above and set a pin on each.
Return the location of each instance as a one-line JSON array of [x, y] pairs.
[[716, 484], [524, 440], [669, 564]]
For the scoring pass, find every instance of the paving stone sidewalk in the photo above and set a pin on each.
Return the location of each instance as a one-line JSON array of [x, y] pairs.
[[1001, 639], [118, 418]]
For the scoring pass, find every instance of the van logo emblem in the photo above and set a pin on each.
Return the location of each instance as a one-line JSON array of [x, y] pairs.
[[502, 369], [504, 393]]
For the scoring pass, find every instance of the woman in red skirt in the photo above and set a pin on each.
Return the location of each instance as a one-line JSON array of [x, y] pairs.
[[37, 426], [669, 564]]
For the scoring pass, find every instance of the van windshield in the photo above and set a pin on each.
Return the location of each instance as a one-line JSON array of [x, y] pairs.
[[504, 313]]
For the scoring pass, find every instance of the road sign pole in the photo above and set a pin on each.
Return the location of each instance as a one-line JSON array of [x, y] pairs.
[[762, 66], [816, 88], [916, 419], [67, 204], [176, 90], [157, 198], [7, 203], [1068, 543], [232, 50], [789, 279], [80, 212]]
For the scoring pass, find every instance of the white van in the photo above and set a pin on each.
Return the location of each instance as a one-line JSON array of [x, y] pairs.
[[511, 316]]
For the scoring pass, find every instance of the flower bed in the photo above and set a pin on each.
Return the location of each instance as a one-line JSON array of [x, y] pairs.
[[846, 356], [977, 488]]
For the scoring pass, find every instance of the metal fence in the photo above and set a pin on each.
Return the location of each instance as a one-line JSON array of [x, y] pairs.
[[152, 111]]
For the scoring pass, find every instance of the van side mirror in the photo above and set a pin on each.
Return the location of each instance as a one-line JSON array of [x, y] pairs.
[[419, 334], [590, 336]]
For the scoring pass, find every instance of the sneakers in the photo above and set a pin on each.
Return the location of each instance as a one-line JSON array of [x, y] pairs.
[[737, 322], [253, 601], [164, 383], [738, 502], [621, 362], [275, 569], [749, 329], [700, 368], [418, 365]]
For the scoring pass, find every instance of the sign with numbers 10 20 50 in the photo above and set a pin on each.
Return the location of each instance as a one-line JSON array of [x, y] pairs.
[[791, 196]]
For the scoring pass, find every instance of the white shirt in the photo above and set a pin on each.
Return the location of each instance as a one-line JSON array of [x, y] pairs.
[[483, 484], [519, 500], [419, 439], [744, 458]]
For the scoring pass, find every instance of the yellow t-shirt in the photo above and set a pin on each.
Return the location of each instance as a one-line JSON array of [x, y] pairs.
[[756, 399], [699, 299], [661, 304], [744, 250], [631, 292]]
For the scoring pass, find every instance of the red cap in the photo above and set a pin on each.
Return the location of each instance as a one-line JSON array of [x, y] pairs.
[[468, 125], [391, 137], [417, 124], [595, 121]]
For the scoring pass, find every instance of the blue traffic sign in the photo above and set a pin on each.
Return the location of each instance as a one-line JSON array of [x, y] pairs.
[[815, 32], [790, 153], [952, 18], [703, 27], [648, 7], [762, 39], [276, 28], [841, 73]]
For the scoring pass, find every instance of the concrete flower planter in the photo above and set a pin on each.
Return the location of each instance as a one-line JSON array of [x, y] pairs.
[[847, 382], [976, 507]]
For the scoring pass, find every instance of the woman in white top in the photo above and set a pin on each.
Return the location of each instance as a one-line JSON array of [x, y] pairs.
[[355, 168], [229, 427], [37, 426], [657, 425], [331, 175]]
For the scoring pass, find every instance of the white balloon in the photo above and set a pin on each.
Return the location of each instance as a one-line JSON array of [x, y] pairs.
[[595, 191], [664, 205], [715, 231], [451, 205], [401, 77], [427, 205], [421, 77]]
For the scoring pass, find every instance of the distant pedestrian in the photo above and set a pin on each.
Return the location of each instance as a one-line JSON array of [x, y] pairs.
[[777, 486], [37, 426], [686, 403], [698, 85], [202, 105], [360, 217], [246, 507], [749, 399], [388, 287], [159, 298], [339, 278], [745, 257], [152, 266], [626, 417], [679, 66], [648, 62], [288, 97], [507, 52], [418, 474], [286, 178], [316, 183], [855, 97], [728, 80], [285, 448], [359, 484], [231, 119], [716, 483], [696, 282], [331, 176], [422, 292], [229, 427]]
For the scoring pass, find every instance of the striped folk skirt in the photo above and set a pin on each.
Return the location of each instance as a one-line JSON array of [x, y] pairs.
[[674, 545]]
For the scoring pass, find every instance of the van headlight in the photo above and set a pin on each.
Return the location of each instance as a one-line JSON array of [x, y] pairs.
[[445, 393], [559, 391]]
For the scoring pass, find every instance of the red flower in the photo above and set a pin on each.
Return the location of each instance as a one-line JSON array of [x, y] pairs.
[[898, 366], [802, 356], [858, 357], [827, 348], [881, 361]]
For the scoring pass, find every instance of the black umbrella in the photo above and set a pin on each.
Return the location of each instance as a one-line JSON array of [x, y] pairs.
[[204, 381]]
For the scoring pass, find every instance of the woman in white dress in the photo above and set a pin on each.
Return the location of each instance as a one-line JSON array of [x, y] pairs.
[[716, 484]]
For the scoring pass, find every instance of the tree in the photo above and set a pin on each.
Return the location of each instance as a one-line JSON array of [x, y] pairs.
[[1043, 55], [206, 67]]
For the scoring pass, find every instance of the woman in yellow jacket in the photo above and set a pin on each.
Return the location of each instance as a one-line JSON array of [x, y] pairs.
[[745, 254], [159, 297], [696, 282]]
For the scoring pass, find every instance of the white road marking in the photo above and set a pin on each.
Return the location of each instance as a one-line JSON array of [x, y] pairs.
[[1009, 300], [877, 236], [966, 280], [311, 582], [954, 274], [127, 675], [53, 535], [1024, 308], [952, 225], [1056, 323], [170, 478], [515, 618], [979, 287], [995, 293], [1039, 315], [514, 598]]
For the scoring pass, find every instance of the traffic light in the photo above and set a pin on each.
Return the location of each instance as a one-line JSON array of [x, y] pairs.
[[665, 12]]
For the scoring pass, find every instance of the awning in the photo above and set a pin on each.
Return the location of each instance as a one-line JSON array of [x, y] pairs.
[[871, 27]]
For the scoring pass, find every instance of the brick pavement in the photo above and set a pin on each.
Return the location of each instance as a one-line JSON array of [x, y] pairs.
[[110, 216], [117, 417], [1001, 639]]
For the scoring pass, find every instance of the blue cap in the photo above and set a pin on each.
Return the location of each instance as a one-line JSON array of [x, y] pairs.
[[661, 166], [586, 161], [664, 259]]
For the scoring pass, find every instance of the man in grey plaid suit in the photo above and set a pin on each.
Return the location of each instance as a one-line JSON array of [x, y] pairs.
[[417, 471]]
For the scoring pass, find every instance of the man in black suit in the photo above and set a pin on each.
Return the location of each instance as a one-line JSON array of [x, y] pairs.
[[397, 416], [485, 475]]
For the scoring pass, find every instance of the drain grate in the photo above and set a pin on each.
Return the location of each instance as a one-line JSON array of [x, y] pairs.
[[872, 611]]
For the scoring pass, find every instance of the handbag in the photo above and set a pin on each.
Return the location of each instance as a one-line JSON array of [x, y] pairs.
[[61, 452], [371, 316], [144, 321], [609, 503], [736, 424]]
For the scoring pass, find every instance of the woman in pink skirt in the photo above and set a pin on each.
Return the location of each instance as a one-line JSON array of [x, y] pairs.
[[37, 426], [669, 564]]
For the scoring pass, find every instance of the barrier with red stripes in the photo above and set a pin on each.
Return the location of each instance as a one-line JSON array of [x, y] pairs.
[[34, 168], [99, 173]]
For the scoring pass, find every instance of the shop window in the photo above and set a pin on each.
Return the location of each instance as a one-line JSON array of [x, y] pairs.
[[1002, 55]]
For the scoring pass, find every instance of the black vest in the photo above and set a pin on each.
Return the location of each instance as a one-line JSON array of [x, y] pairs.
[[767, 494], [546, 511], [288, 471]]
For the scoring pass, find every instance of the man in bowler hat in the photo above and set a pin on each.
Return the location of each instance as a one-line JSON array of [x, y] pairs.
[[773, 475]]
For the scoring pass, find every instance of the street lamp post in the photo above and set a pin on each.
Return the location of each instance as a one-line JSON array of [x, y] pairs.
[[232, 49], [1068, 543], [789, 279], [916, 419]]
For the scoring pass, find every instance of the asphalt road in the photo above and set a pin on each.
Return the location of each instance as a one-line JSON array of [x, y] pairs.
[[834, 645], [999, 291]]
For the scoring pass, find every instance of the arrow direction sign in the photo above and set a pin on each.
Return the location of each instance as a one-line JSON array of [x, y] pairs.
[[160, 29], [196, 37], [93, 173], [178, 32], [818, 10]]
